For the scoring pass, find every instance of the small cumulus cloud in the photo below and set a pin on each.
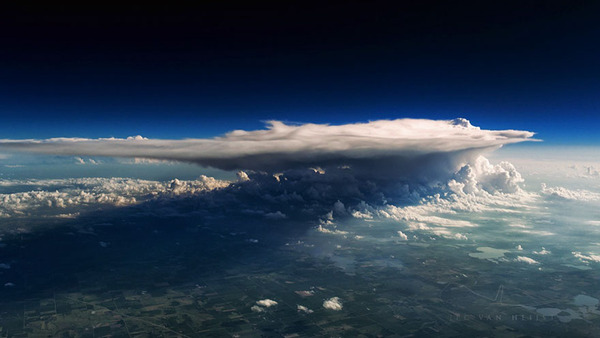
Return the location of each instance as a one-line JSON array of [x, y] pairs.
[[333, 303], [305, 293], [527, 260], [304, 309], [587, 258], [266, 302], [542, 252], [262, 305], [136, 138]]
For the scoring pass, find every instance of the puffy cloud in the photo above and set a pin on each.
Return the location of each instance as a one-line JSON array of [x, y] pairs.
[[402, 235], [403, 148], [587, 258], [304, 309], [561, 193], [542, 252], [305, 293], [266, 302], [448, 234], [333, 303], [527, 260], [481, 175], [66, 197], [477, 187], [262, 305]]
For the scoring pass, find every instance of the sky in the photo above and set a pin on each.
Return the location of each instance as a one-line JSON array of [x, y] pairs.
[[172, 72]]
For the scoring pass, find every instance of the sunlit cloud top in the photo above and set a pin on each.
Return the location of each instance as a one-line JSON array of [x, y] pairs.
[[280, 147]]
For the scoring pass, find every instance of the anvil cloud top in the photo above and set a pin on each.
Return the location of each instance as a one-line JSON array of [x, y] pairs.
[[367, 147]]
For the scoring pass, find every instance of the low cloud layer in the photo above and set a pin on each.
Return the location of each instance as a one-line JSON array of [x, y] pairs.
[[403, 148], [68, 197]]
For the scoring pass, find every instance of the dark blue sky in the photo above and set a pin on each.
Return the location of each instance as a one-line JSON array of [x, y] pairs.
[[170, 72]]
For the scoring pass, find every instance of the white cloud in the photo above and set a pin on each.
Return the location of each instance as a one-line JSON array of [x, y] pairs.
[[481, 175], [459, 236], [304, 309], [448, 234], [313, 170], [420, 149], [66, 197], [568, 194], [536, 232], [333, 303], [542, 252], [266, 302], [448, 209], [402, 235], [305, 293], [527, 260], [588, 257], [136, 138]]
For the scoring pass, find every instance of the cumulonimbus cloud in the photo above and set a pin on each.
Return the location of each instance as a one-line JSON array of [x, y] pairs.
[[399, 148]]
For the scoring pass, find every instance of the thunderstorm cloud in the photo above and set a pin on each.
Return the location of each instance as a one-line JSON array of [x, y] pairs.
[[404, 148]]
